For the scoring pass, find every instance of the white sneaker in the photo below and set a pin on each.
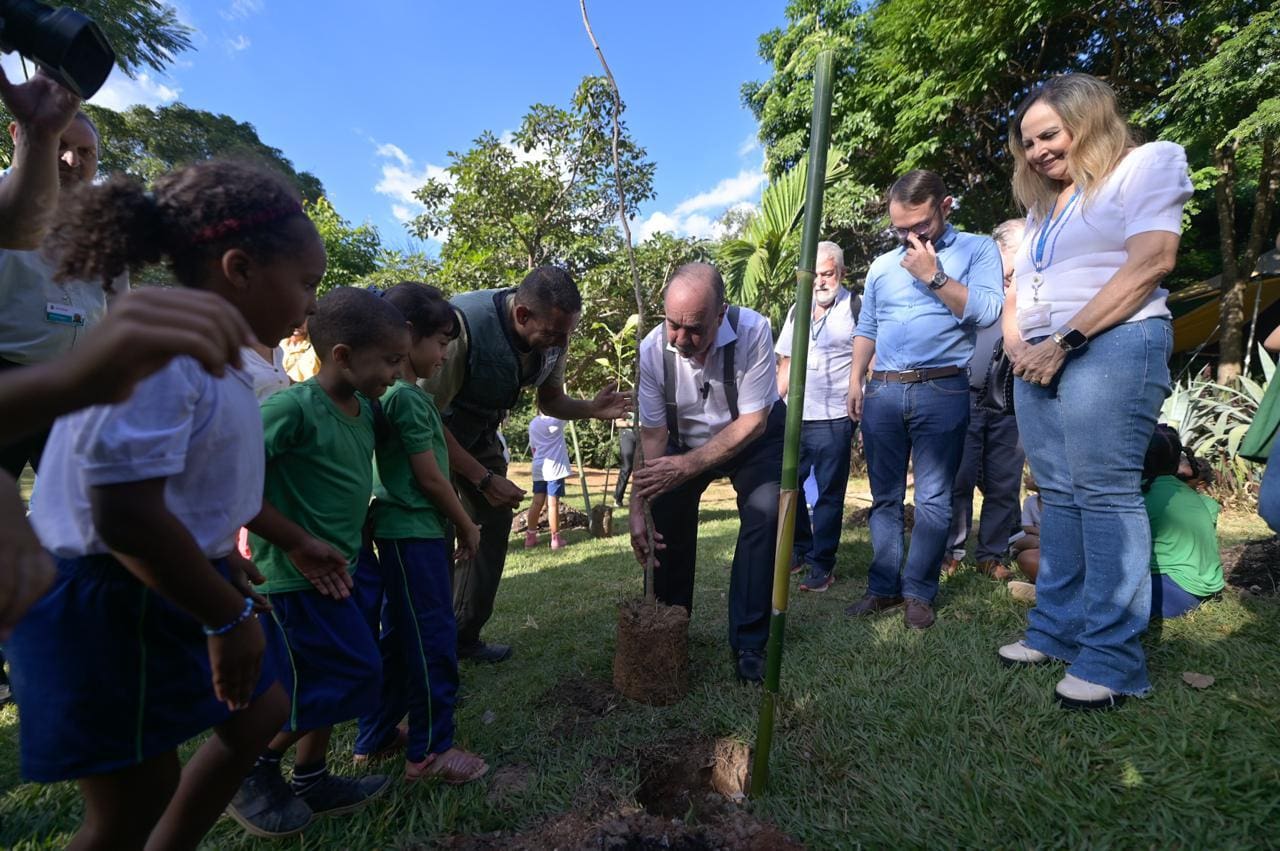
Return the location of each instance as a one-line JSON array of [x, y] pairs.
[[1075, 693], [1019, 653], [1023, 592]]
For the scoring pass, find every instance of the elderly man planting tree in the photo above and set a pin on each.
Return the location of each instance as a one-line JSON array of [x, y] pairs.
[[709, 407]]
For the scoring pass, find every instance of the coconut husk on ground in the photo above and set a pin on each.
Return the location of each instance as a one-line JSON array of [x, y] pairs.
[[861, 516], [1253, 566], [651, 662]]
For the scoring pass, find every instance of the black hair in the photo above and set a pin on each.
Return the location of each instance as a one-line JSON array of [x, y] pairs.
[[918, 187], [192, 215], [425, 308], [1163, 454], [549, 288], [352, 317]]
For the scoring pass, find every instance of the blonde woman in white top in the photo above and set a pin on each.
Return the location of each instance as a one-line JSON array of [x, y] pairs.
[[1089, 335]]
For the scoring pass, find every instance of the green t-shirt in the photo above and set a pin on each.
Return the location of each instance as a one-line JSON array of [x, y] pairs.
[[319, 475], [400, 508], [1184, 536]]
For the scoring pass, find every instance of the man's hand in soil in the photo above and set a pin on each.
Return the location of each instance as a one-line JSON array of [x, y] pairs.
[[609, 404], [661, 475], [501, 492], [639, 538]]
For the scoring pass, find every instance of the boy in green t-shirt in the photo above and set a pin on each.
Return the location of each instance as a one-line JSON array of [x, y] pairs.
[[319, 447], [408, 583], [1186, 564]]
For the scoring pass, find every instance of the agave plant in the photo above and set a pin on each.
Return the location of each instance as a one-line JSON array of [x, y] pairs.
[[760, 267], [1212, 419]]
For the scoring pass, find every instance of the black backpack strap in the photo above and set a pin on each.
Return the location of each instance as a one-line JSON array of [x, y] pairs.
[[669, 392], [731, 374]]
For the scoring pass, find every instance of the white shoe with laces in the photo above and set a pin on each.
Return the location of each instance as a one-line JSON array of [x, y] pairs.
[[1075, 693], [1019, 654]]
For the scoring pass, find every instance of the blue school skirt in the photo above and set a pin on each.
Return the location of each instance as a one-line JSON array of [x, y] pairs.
[[328, 658], [108, 674]]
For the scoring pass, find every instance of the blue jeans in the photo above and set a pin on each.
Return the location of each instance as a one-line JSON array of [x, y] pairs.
[[925, 422], [825, 446], [1086, 435], [1269, 493]]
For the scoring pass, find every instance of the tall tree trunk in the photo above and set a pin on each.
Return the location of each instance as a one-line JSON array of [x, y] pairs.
[[1231, 313], [1260, 227]]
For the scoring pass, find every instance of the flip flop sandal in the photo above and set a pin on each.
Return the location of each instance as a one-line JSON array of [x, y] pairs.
[[448, 767], [398, 743]]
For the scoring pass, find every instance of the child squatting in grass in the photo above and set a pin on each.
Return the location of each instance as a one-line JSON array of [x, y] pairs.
[[407, 584], [148, 637]]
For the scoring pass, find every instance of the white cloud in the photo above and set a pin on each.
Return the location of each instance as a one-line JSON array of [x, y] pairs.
[[239, 43], [749, 146], [121, 92], [240, 9], [400, 177], [699, 216]]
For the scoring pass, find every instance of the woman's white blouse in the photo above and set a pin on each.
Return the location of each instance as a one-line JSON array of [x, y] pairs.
[[1145, 192]]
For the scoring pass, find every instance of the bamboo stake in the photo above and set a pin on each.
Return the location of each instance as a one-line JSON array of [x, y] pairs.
[[651, 561], [819, 135]]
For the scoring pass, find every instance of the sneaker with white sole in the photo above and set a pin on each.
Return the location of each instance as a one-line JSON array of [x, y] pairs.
[[1019, 653], [1075, 693]]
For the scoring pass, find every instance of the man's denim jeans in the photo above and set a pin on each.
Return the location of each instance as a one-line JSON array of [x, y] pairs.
[[1086, 435], [924, 422], [992, 462], [825, 446]]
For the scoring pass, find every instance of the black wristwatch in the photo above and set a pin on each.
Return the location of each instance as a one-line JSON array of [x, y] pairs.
[[939, 280], [1069, 339], [483, 484]]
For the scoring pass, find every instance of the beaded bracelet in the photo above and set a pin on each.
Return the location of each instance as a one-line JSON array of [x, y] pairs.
[[241, 618]]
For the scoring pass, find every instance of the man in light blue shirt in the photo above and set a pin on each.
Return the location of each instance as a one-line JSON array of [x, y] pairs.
[[923, 304]]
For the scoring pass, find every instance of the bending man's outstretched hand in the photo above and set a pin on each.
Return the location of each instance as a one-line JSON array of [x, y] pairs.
[[609, 404]]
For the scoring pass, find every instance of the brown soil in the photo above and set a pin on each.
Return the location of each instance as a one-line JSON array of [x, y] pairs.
[[570, 518], [602, 521], [1253, 566], [580, 703], [860, 517], [682, 780], [651, 663]]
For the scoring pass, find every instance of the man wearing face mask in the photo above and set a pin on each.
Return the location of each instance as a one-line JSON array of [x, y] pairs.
[[41, 319], [826, 435], [709, 407], [921, 308]]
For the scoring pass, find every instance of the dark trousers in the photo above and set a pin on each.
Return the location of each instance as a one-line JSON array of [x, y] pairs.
[[626, 456], [16, 454], [992, 461], [475, 581], [405, 591], [825, 447], [754, 473], [924, 422]]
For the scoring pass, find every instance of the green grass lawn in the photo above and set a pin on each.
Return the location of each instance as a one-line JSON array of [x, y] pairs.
[[886, 738]]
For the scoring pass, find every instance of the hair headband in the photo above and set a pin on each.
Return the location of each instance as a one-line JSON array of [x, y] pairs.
[[227, 227]]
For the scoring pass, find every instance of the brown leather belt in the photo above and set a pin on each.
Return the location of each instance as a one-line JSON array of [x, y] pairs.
[[912, 376]]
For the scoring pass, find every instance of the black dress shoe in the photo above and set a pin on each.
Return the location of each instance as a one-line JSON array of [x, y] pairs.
[[751, 666], [485, 652]]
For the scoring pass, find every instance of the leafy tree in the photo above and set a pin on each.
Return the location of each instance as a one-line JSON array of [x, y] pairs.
[[147, 142], [1228, 110], [759, 267], [353, 251], [547, 196], [393, 266]]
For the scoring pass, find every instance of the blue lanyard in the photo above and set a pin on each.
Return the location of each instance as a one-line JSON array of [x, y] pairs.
[[1054, 223]]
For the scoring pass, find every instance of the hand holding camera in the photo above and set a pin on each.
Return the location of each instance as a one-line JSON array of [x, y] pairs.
[[42, 107]]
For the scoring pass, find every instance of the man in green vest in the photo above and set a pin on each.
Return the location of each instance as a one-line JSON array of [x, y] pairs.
[[511, 339]]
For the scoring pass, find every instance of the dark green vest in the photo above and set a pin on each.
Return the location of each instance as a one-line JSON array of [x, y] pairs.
[[493, 381]]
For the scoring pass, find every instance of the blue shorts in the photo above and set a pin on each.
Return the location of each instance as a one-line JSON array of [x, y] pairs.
[[108, 674], [328, 660], [555, 488]]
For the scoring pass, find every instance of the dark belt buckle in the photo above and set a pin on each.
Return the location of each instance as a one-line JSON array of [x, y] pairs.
[[909, 376]]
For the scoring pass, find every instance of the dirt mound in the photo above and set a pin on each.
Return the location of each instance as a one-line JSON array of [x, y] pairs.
[[570, 518], [1253, 566], [861, 516], [651, 662]]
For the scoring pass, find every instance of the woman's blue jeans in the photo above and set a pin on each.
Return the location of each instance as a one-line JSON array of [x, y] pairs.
[[1086, 436]]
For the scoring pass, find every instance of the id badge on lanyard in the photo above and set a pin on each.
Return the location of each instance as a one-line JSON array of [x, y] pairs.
[[63, 314], [1036, 317]]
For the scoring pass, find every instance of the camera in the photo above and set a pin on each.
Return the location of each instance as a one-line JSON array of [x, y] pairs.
[[67, 45]]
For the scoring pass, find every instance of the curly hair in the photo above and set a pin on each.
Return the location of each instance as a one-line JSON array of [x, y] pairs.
[[191, 216], [353, 317], [425, 308]]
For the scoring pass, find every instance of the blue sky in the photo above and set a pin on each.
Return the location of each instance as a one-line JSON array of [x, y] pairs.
[[370, 96]]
